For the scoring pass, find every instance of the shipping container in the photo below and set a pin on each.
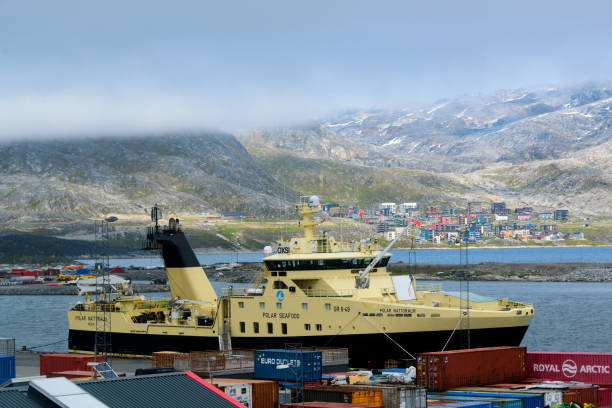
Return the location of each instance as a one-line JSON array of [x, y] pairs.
[[590, 368], [458, 404], [165, 358], [585, 394], [252, 393], [50, 363], [288, 365], [117, 270], [71, 375], [7, 368], [443, 370], [338, 393], [495, 402], [552, 397], [7, 347], [388, 395], [529, 400], [604, 397]]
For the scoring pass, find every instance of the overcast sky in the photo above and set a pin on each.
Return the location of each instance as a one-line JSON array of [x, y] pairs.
[[128, 66]]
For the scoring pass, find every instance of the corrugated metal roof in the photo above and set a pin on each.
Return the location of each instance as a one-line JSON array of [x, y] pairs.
[[14, 398], [158, 390]]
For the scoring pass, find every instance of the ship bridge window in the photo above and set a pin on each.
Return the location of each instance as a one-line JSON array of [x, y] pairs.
[[328, 306], [305, 306], [255, 327], [262, 305], [270, 328], [306, 326], [279, 284], [319, 327], [284, 328], [241, 305], [242, 327], [323, 264]]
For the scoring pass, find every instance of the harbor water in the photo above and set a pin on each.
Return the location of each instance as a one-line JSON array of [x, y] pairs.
[[601, 254], [570, 316]]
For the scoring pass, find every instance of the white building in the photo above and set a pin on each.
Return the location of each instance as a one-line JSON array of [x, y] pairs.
[[407, 207], [501, 217], [390, 206]]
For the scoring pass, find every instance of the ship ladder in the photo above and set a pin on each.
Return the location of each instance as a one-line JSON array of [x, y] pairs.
[[225, 333]]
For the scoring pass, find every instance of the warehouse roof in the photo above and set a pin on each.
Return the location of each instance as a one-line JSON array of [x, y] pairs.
[[159, 390], [17, 398]]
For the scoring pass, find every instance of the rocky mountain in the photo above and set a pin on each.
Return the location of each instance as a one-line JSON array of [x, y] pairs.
[[547, 148], [70, 178]]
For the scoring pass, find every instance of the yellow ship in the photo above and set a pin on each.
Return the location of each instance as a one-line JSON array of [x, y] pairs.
[[314, 290]]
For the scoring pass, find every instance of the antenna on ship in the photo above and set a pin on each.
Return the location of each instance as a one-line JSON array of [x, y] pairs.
[[464, 277], [102, 339]]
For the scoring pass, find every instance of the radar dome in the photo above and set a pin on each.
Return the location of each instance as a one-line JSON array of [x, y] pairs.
[[313, 201]]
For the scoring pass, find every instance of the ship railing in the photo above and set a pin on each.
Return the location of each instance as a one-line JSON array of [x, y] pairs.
[[429, 287], [232, 291], [328, 292]]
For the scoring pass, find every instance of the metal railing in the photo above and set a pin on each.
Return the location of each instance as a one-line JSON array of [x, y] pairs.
[[429, 287]]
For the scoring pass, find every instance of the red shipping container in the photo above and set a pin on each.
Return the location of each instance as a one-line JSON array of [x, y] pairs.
[[442, 370], [50, 363], [604, 396], [586, 394], [590, 368], [71, 374], [117, 270], [18, 271]]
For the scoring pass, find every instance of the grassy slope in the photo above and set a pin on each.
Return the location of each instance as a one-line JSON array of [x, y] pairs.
[[348, 183]]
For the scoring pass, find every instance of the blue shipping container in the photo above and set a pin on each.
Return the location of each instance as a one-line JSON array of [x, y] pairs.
[[468, 404], [288, 365], [7, 367], [529, 400], [495, 402]]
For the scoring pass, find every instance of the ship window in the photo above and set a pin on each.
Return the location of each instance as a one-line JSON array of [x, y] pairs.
[[407, 314], [305, 306], [255, 327], [279, 284], [328, 306], [284, 328], [243, 390], [242, 327], [262, 305], [270, 328], [307, 326], [274, 273], [319, 327], [322, 264], [279, 305], [435, 315], [241, 305], [420, 314], [519, 312]]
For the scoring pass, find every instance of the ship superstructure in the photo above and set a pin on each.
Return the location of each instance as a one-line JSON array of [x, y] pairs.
[[312, 291]]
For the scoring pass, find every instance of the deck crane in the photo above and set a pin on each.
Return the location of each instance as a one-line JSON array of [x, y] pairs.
[[363, 281]]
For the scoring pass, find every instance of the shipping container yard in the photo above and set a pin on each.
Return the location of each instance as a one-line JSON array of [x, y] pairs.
[[496, 377]]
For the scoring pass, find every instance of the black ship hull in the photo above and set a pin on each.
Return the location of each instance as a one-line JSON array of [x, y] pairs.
[[365, 350]]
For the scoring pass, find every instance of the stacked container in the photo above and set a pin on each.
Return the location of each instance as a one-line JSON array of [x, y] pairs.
[[387, 395], [55, 363], [604, 397], [288, 365], [321, 404], [442, 370], [7, 368], [590, 368], [504, 399], [252, 393], [7, 347], [165, 358]]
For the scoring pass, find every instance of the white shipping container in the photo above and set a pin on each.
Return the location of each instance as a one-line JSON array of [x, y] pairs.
[[240, 392], [7, 347]]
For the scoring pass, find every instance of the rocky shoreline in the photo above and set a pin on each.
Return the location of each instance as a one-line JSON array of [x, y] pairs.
[[248, 272]]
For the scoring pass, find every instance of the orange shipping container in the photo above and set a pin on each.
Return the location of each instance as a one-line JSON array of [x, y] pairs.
[[252, 393]]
